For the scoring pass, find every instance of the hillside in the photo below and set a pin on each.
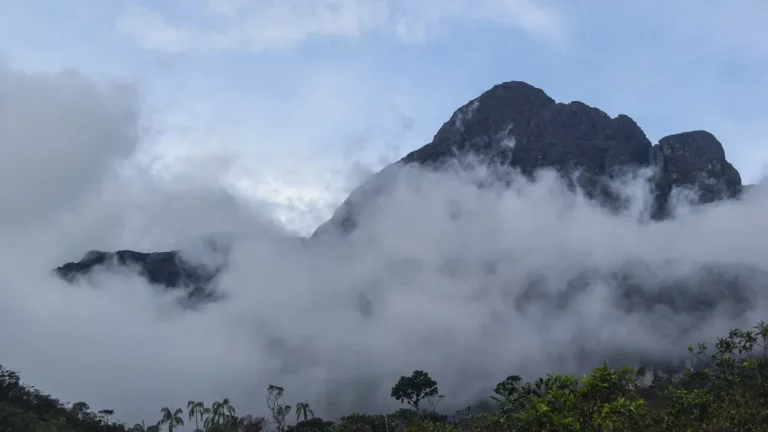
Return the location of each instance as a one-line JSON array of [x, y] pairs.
[[513, 125], [517, 125], [725, 392]]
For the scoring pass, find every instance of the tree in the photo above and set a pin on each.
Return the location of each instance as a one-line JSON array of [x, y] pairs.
[[171, 418], [56, 425], [730, 388], [197, 410], [510, 394], [221, 411], [601, 401], [434, 401], [415, 388], [279, 411], [357, 422], [105, 415], [303, 408], [138, 427], [249, 423], [245, 423], [82, 410], [315, 424]]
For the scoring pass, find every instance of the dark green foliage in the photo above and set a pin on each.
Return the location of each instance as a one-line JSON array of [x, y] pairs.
[[171, 418], [362, 423], [238, 424], [26, 409], [415, 388], [727, 391], [312, 425]]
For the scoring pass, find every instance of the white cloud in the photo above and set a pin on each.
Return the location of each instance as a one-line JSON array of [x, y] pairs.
[[442, 268], [419, 20], [294, 321], [282, 24], [70, 150], [150, 30]]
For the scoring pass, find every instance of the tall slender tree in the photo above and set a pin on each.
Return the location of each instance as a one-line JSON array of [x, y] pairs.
[[171, 418], [197, 410], [139, 427], [279, 410], [222, 410], [303, 408]]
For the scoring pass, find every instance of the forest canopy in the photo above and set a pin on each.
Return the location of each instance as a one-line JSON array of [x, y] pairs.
[[726, 390]]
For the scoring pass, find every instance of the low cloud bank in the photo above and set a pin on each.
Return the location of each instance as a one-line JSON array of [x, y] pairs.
[[470, 284]]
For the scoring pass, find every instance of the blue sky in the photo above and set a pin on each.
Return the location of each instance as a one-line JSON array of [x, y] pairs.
[[298, 98]]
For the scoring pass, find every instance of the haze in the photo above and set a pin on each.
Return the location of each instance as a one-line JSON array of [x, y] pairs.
[[99, 154]]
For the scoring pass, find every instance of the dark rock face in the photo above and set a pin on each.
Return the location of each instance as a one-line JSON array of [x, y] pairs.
[[695, 159], [693, 290], [167, 269], [512, 124], [518, 125]]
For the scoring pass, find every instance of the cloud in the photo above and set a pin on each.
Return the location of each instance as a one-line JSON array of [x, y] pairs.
[[469, 284], [152, 32], [258, 26], [69, 150]]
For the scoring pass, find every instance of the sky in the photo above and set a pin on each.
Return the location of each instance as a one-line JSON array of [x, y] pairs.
[[130, 125], [302, 98]]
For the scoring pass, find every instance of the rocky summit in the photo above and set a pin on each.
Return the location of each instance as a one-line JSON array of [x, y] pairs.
[[167, 269], [517, 125], [520, 126]]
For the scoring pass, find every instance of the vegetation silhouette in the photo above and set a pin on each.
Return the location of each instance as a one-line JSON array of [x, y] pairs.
[[727, 390]]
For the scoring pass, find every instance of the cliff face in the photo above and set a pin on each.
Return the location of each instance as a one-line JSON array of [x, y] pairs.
[[166, 269], [512, 124], [695, 159], [518, 125]]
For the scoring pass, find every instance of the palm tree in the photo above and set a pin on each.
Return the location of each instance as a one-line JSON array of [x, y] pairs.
[[139, 427], [303, 408], [222, 410], [209, 421], [197, 410], [171, 418]]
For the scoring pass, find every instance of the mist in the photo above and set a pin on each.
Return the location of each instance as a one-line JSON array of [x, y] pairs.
[[468, 283]]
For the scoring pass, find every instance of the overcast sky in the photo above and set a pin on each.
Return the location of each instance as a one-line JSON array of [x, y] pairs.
[[176, 119], [302, 94]]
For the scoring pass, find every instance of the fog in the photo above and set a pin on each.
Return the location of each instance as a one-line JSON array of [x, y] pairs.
[[437, 277]]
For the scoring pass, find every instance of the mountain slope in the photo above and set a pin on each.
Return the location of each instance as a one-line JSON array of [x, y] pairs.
[[518, 125], [167, 269], [515, 125]]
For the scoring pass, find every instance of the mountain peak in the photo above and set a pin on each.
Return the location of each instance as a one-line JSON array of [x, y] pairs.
[[520, 126]]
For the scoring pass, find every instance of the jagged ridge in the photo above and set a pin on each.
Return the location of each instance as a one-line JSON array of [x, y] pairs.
[[518, 125], [513, 124], [167, 269]]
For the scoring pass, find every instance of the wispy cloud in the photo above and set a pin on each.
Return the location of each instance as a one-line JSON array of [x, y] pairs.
[[469, 284], [671, 65], [258, 26]]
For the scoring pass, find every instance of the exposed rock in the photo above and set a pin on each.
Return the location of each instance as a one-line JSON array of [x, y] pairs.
[[167, 269], [693, 290], [695, 159], [518, 125], [514, 124]]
